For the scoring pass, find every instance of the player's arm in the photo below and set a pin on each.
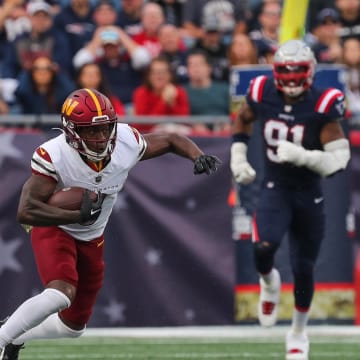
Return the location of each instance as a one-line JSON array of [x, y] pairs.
[[33, 208], [241, 131], [159, 144], [333, 158]]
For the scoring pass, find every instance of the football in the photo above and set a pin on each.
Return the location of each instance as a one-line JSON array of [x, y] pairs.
[[69, 198]]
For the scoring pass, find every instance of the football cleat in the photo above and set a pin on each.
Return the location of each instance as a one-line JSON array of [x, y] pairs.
[[269, 300], [297, 346], [10, 351]]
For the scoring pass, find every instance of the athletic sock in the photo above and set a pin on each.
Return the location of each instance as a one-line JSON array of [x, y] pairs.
[[31, 313], [299, 320], [268, 278], [50, 328]]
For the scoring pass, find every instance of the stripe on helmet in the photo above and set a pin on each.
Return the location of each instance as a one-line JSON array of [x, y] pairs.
[[96, 101]]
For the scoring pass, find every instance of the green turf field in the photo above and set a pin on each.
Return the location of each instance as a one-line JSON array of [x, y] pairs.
[[324, 346]]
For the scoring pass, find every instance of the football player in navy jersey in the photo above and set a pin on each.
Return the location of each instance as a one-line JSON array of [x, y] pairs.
[[303, 142], [94, 152]]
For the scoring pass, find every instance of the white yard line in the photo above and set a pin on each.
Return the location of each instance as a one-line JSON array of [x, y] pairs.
[[240, 331]]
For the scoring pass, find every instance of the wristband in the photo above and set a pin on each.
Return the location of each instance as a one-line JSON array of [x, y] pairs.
[[241, 137]]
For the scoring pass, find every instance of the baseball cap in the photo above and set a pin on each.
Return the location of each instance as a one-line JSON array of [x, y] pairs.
[[327, 14], [36, 6], [211, 24], [109, 37]]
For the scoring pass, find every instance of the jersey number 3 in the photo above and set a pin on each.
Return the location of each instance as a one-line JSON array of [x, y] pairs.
[[275, 130]]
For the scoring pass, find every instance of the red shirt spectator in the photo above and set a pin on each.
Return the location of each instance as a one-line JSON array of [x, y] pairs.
[[151, 20], [159, 95]]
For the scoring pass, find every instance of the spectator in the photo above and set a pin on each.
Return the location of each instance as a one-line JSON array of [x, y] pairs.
[[206, 96], [351, 58], [173, 11], [327, 47], [266, 38], [90, 76], [14, 20], [104, 16], [173, 49], [216, 50], [152, 18], [120, 58], [43, 88], [242, 51], [44, 39], [105, 13], [229, 14], [102, 40], [76, 20], [349, 17], [315, 8], [159, 95], [129, 18]]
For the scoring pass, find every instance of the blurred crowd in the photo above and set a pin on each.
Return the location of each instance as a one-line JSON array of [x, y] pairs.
[[156, 57]]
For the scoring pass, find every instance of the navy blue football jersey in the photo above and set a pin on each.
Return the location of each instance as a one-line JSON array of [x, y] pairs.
[[300, 123]]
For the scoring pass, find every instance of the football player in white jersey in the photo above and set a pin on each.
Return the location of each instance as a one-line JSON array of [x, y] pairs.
[[96, 153]]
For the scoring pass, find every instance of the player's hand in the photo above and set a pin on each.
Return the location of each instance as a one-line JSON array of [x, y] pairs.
[[242, 171], [206, 164], [90, 210], [291, 153]]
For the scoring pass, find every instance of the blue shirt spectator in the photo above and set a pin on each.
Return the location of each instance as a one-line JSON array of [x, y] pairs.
[[76, 20], [43, 88], [129, 17], [42, 39]]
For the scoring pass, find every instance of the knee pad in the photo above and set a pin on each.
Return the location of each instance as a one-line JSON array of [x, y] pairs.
[[264, 256], [264, 249]]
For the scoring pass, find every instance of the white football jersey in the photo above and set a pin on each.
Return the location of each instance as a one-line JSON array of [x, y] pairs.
[[56, 159]]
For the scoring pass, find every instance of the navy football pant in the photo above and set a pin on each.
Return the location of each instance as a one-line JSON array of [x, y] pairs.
[[298, 212]]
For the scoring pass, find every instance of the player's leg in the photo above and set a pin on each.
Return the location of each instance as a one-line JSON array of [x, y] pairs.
[[272, 219], [91, 275], [307, 231], [71, 322], [55, 254]]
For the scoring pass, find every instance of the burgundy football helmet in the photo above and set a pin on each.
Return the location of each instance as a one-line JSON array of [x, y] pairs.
[[88, 107], [294, 67]]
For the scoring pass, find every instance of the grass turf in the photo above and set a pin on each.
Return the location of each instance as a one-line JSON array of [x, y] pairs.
[[106, 348]]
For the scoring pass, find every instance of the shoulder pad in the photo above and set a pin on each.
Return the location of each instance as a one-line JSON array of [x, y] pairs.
[[43, 153], [256, 88], [140, 140], [327, 99]]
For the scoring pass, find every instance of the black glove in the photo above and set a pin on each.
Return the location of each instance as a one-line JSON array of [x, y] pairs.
[[207, 164], [90, 210]]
